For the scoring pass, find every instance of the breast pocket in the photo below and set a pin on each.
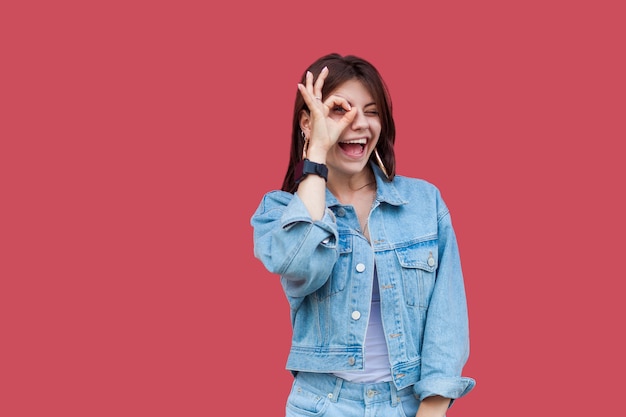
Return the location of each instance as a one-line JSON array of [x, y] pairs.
[[339, 277], [418, 264]]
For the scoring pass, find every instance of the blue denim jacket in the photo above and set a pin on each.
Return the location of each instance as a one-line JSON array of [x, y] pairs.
[[326, 269]]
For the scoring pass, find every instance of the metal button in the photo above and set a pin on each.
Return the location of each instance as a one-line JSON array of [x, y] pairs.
[[431, 260], [351, 361], [330, 395], [371, 393], [360, 267], [356, 314], [341, 212]]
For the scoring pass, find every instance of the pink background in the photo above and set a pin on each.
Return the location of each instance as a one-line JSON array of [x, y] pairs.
[[137, 138]]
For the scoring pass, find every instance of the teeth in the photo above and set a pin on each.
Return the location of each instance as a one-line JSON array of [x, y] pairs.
[[359, 141]]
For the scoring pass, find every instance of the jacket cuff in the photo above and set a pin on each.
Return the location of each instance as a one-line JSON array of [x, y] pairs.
[[452, 387], [296, 212]]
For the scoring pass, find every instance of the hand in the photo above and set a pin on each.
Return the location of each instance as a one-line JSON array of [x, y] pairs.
[[435, 406], [324, 128]]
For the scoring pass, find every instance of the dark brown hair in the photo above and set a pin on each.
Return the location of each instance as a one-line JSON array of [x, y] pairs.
[[342, 69]]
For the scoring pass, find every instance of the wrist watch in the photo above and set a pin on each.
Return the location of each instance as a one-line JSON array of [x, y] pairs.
[[306, 167]]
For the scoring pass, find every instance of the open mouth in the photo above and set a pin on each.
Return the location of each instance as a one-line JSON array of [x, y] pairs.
[[354, 147]]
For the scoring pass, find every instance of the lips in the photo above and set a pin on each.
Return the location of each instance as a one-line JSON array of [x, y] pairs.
[[355, 147]]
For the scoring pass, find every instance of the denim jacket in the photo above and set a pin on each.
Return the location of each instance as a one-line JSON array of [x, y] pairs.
[[326, 270]]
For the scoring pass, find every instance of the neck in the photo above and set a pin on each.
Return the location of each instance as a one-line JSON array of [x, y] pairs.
[[354, 188]]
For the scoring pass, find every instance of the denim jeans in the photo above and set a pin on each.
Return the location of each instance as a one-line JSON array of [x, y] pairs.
[[318, 394]]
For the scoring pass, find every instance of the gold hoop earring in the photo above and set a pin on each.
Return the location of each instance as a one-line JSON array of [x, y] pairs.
[[380, 163], [305, 147]]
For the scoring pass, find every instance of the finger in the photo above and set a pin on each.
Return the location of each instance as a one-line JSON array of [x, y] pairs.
[[310, 89], [319, 83], [314, 104], [309, 83], [334, 102], [308, 98]]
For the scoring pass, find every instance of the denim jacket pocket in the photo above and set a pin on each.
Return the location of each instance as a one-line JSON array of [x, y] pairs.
[[419, 263], [339, 276]]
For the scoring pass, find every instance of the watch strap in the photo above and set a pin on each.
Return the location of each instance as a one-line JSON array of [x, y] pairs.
[[306, 167]]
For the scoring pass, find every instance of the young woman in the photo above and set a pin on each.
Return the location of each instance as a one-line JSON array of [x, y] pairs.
[[368, 259]]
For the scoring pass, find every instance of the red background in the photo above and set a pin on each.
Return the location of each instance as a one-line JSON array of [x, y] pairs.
[[138, 137]]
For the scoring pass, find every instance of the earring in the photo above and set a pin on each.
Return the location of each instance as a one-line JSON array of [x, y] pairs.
[[305, 147], [380, 163]]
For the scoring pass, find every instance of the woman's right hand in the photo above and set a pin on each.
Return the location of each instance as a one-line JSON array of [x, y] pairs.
[[329, 117]]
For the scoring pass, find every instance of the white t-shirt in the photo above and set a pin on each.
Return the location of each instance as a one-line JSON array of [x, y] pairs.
[[376, 361]]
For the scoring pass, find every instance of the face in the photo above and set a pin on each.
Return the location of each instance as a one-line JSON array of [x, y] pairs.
[[351, 153]]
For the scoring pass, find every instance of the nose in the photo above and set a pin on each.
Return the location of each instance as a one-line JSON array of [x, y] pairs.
[[360, 121]]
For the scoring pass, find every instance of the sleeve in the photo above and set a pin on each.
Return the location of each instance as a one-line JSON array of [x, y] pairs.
[[289, 243], [445, 347]]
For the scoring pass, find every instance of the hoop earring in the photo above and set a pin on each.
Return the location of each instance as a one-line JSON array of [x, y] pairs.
[[305, 147], [380, 163]]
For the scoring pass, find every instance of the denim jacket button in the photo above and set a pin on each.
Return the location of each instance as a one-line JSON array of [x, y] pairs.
[[360, 267], [341, 212], [356, 314], [351, 361]]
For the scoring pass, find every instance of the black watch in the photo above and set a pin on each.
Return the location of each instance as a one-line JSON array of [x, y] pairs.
[[306, 167]]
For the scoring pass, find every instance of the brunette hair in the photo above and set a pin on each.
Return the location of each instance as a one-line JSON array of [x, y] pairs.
[[342, 69]]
